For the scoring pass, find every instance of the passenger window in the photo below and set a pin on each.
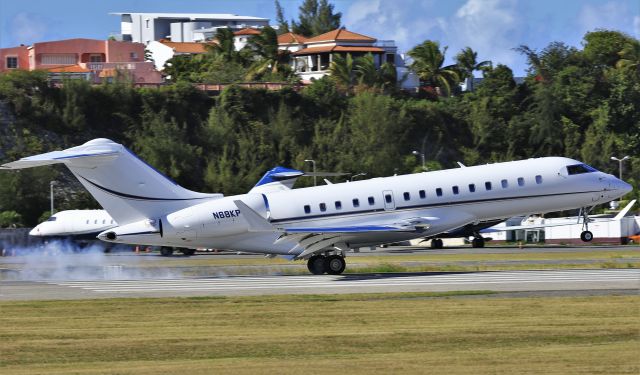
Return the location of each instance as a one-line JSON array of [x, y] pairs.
[[407, 196], [538, 179], [307, 209], [423, 194], [371, 201], [87, 221], [111, 221], [323, 207], [387, 197], [95, 221], [338, 205], [487, 185], [505, 184], [520, 181], [104, 221], [356, 202], [472, 188], [455, 190], [439, 192]]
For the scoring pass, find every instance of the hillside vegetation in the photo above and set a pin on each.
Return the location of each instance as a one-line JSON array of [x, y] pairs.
[[580, 103]]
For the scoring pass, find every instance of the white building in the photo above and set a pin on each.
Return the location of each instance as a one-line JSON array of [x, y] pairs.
[[161, 51], [180, 27]]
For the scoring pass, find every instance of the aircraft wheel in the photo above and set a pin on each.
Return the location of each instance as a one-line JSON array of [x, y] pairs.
[[166, 251], [316, 265], [335, 264], [188, 252], [437, 243], [586, 236], [477, 242]]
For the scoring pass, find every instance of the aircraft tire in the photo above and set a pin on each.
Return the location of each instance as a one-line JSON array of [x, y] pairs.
[[166, 251], [436, 243], [335, 264], [477, 242], [586, 236], [316, 265], [188, 252]]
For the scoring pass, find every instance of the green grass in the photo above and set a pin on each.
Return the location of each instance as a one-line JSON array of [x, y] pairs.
[[360, 334]]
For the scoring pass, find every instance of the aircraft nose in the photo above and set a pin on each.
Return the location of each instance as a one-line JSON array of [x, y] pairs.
[[35, 231]]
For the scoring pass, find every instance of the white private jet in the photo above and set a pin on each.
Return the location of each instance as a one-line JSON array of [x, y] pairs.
[[79, 224], [321, 224]]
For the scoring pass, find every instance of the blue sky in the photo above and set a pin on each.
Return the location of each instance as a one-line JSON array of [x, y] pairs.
[[491, 27]]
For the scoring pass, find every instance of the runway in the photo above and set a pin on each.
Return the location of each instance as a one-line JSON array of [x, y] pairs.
[[501, 281]]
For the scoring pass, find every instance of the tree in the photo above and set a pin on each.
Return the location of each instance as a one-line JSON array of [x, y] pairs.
[[269, 57], [427, 63], [316, 18], [342, 72], [630, 57], [602, 47], [467, 62], [283, 25], [224, 45]]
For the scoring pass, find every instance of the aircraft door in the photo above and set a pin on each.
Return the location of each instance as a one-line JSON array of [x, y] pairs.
[[387, 198]]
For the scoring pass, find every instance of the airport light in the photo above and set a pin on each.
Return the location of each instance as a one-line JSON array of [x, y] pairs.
[[357, 175], [314, 169], [51, 184], [416, 153], [620, 161]]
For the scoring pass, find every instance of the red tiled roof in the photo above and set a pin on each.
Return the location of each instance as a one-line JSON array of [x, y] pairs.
[[247, 31], [291, 38], [186, 47], [313, 50], [67, 69], [340, 35]]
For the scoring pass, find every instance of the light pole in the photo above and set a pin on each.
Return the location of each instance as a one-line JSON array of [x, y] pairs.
[[51, 184], [314, 169], [620, 164], [357, 175], [416, 153]]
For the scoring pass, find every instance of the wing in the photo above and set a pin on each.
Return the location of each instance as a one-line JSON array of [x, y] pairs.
[[315, 239]]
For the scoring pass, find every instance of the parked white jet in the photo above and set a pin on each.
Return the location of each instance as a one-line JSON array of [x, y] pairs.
[[322, 223], [80, 224]]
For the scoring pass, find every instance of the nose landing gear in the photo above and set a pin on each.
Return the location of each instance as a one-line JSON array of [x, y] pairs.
[[586, 235]]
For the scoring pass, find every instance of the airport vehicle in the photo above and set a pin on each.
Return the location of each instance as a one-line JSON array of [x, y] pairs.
[[321, 224]]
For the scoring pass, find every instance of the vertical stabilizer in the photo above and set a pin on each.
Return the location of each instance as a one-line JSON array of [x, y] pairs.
[[127, 187]]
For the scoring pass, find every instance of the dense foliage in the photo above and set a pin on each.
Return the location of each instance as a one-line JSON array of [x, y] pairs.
[[583, 104]]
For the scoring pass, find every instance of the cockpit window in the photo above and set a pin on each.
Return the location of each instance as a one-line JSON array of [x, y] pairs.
[[52, 218], [579, 169]]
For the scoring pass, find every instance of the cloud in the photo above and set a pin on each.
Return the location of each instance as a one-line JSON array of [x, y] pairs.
[[489, 27], [27, 28], [614, 15]]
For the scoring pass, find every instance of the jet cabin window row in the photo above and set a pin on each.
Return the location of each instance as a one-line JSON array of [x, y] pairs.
[[423, 194], [104, 221]]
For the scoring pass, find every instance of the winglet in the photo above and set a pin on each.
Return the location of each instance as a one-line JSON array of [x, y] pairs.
[[624, 211], [256, 222]]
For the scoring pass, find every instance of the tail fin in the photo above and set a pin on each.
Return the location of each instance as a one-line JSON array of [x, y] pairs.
[[624, 211], [127, 187], [278, 178]]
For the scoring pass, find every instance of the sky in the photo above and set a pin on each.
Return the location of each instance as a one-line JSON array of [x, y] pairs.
[[490, 27]]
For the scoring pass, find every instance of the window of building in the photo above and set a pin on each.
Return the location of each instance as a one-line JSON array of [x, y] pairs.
[[423, 194], [538, 179], [356, 202], [133, 56], [406, 196], [323, 207], [487, 185], [371, 201], [387, 197], [338, 205], [505, 184], [58, 59], [307, 209], [455, 190], [439, 192], [146, 23], [12, 62], [472, 188], [520, 181], [96, 58]]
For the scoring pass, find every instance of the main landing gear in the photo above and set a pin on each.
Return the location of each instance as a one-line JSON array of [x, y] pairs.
[[586, 235], [477, 242], [437, 243], [331, 264]]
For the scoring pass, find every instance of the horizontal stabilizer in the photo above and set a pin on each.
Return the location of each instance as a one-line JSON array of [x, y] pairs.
[[56, 157]]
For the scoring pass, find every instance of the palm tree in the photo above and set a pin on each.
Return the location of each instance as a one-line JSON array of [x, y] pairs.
[[427, 63], [224, 45], [467, 62], [342, 71], [630, 57], [268, 58]]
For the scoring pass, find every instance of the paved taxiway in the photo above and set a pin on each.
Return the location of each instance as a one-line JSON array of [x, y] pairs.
[[555, 280]]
